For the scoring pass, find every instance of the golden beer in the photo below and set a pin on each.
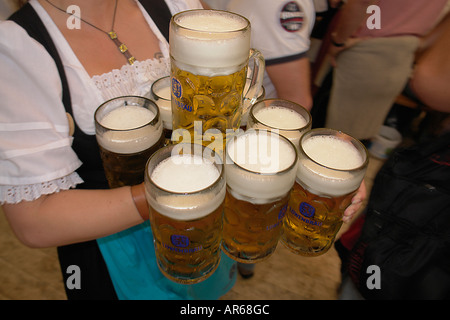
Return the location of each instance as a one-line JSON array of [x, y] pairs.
[[218, 109], [260, 172], [252, 229], [330, 170], [185, 191], [128, 132], [210, 51], [311, 230]]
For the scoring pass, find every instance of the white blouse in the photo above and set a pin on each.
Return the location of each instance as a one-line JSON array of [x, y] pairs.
[[36, 156]]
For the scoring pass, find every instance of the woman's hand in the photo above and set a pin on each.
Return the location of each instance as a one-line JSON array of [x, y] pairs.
[[357, 202]]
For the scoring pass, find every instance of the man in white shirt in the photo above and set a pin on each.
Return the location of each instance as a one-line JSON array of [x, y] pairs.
[[281, 31]]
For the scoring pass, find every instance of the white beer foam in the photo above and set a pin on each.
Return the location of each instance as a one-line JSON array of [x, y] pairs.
[[333, 153], [165, 106], [260, 155], [210, 41], [123, 138], [280, 118], [164, 92], [186, 174], [287, 120]]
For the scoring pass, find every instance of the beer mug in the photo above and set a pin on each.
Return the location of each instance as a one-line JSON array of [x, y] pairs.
[[128, 130], [331, 168], [210, 59], [260, 171], [289, 118], [185, 190], [160, 92]]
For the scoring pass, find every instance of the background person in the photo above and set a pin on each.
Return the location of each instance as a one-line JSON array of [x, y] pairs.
[[281, 31], [372, 66]]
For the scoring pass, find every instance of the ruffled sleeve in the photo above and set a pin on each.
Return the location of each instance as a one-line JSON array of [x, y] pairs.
[[35, 146]]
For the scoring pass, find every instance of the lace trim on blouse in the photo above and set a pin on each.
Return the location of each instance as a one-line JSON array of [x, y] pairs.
[[133, 79], [15, 194]]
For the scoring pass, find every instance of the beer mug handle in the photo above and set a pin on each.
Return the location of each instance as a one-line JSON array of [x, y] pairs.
[[256, 68]]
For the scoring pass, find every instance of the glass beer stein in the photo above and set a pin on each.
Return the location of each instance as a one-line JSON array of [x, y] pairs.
[[331, 168], [290, 119], [210, 61], [249, 103], [160, 92], [260, 171], [128, 131], [185, 190]]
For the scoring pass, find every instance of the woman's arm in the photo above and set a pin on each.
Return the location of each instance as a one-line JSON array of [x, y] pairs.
[[72, 216]]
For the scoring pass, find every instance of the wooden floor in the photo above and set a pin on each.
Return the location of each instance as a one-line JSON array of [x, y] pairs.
[[34, 274]]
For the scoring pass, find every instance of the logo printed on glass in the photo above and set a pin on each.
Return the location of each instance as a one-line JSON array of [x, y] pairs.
[[176, 88], [282, 212], [179, 241], [306, 209]]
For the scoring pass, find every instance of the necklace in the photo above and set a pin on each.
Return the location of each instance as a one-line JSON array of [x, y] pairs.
[[111, 34]]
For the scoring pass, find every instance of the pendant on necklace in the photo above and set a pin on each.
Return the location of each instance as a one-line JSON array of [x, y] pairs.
[[122, 47], [112, 35]]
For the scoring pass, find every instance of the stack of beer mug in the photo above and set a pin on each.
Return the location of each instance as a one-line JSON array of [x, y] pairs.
[[217, 187]]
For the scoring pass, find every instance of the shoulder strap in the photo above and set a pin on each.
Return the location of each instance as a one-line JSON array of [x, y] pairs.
[[160, 13], [28, 19]]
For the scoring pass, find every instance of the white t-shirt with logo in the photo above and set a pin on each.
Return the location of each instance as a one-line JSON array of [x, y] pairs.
[[281, 29]]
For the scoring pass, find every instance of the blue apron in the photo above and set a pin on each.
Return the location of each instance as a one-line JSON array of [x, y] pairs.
[[131, 261]]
